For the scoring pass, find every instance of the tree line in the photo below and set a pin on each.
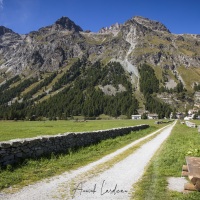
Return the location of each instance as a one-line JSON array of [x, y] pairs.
[[44, 83], [6, 85], [15, 91]]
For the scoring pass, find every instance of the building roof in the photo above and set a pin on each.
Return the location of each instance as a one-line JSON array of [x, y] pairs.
[[153, 115]]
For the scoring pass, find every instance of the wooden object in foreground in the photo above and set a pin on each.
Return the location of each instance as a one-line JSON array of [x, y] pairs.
[[193, 164], [190, 186], [184, 173], [185, 168]]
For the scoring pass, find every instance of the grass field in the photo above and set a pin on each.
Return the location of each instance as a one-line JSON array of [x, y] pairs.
[[33, 170], [167, 162], [27, 129], [189, 76]]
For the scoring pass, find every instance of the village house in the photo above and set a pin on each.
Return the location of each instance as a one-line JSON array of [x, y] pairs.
[[152, 116], [179, 115], [136, 117]]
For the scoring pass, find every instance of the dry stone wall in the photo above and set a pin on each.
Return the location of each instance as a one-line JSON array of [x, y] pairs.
[[190, 124], [15, 151]]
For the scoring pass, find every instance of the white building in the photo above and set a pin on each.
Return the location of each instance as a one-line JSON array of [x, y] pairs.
[[152, 116], [135, 117]]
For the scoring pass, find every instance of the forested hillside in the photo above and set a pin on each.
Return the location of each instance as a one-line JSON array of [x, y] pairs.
[[83, 93], [149, 84]]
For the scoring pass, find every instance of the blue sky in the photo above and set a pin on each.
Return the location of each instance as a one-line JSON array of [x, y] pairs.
[[23, 16]]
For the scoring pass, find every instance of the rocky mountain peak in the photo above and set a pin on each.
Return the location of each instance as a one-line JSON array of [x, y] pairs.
[[66, 23], [4, 30], [114, 29], [154, 25]]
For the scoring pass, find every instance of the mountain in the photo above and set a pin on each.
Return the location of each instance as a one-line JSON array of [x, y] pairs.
[[49, 54]]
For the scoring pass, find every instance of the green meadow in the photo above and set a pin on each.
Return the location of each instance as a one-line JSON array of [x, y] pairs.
[[27, 129]]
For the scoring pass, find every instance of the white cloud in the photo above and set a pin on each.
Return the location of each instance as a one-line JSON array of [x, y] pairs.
[[1, 4]]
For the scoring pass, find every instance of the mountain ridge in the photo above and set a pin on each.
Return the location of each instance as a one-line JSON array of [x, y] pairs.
[[140, 38], [138, 27]]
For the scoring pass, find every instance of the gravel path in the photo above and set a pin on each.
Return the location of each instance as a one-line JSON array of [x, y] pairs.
[[113, 183]]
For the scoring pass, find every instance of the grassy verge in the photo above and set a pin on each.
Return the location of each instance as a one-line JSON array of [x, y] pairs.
[[27, 129], [34, 170], [168, 162]]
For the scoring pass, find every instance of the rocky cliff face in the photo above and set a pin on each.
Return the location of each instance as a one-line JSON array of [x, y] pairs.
[[45, 49], [153, 25], [136, 41], [9, 42]]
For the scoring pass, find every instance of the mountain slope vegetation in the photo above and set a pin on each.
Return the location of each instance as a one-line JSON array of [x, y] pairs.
[[61, 71], [82, 94]]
